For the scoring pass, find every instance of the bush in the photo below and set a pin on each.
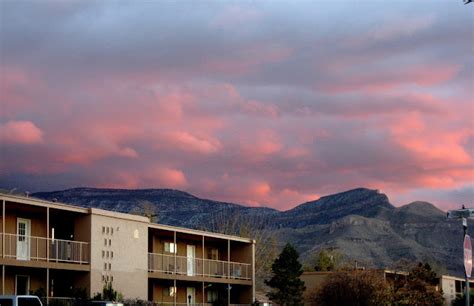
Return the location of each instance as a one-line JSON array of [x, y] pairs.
[[357, 288], [108, 294]]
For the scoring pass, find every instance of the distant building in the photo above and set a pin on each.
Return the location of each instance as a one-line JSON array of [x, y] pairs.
[[58, 248]]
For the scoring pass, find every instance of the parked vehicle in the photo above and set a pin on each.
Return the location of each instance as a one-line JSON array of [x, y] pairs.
[[103, 303], [20, 300]]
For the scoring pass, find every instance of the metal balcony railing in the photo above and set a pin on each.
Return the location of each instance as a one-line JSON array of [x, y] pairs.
[[24, 247], [183, 265]]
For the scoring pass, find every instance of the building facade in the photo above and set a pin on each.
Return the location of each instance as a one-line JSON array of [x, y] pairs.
[[57, 249]]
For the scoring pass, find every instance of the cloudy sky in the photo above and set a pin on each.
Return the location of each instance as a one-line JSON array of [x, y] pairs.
[[257, 102]]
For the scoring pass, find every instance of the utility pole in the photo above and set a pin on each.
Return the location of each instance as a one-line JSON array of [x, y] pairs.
[[463, 214]]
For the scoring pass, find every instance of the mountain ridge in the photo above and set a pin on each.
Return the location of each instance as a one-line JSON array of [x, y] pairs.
[[361, 222]]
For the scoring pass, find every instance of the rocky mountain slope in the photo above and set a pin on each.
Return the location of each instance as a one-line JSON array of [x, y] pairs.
[[361, 223], [172, 207]]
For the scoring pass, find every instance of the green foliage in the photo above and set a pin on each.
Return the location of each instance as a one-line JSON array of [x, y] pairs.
[[287, 288], [424, 273], [369, 288], [108, 294], [419, 288], [135, 302], [352, 288], [327, 260], [40, 292]]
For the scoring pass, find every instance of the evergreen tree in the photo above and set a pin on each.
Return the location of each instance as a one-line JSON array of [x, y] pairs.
[[287, 288], [419, 288], [327, 260]]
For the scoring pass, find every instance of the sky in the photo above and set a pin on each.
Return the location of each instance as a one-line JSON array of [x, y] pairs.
[[262, 103]]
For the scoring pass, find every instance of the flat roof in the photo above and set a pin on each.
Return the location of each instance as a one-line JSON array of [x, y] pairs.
[[115, 214], [200, 233], [42, 203]]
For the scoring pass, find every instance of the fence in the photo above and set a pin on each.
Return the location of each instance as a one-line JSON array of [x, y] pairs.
[[198, 267], [24, 247]]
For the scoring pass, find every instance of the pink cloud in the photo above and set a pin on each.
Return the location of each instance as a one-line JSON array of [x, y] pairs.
[[147, 178], [186, 141], [354, 78], [20, 132]]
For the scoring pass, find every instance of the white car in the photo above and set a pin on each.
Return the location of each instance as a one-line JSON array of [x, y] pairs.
[[20, 300]]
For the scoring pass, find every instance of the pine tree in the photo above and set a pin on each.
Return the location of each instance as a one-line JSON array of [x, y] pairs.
[[287, 287]]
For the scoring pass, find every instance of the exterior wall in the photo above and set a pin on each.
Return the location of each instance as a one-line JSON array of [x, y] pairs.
[[159, 293], [129, 244], [82, 228], [241, 294], [449, 289], [220, 245], [182, 293], [38, 221], [241, 252], [160, 290]]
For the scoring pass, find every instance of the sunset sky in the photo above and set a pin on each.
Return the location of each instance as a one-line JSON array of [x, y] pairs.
[[269, 103]]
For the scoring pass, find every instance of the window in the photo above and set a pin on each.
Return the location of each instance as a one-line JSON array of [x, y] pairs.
[[103, 253], [213, 254], [111, 254], [105, 266], [108, 230], [6, 302], [21, 231], [103, 229], [170, 247], [105, 242], [110, 266], [107, 254], [170, 291], [28, 301], [111, 231], [212, 296]]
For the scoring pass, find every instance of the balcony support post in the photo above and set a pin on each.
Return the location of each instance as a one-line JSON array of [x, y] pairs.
[[203, 253], [47, 234], [3, 279], [175, 289], [203, 298], [47, 286], [253, 271], [3, 231], [228, 271], [175, 253]]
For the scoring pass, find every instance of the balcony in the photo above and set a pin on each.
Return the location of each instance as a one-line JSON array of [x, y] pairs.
[[31, 248], [182, 265]]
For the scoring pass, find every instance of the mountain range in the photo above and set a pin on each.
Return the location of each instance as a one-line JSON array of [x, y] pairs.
[[361, 223]]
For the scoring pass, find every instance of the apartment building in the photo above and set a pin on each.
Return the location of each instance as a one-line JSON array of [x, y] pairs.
[[58, 249]]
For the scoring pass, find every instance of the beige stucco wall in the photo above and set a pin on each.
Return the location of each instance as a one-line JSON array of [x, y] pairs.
[[129, 265]]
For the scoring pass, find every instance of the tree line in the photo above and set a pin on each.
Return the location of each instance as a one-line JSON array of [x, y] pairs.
[[350, 286]]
